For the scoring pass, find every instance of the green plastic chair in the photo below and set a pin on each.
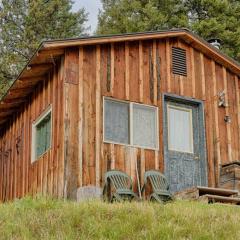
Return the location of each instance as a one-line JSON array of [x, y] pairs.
[[159, 185], [122, 185]]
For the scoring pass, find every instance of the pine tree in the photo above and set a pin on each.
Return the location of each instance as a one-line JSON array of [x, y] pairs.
[[207, 18], [121, 16], [217, 18], [25, 23]]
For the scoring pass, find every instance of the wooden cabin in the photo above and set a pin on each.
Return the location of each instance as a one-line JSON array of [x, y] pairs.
[[164, 100]]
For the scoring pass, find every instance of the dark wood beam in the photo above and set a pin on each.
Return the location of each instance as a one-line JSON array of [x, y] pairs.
[[14, 100], [13, 109], [20, 90], [34, 70], [7, 113], [53, 52]]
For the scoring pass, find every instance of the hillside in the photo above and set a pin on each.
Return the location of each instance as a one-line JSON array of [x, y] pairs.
[[53, 219]]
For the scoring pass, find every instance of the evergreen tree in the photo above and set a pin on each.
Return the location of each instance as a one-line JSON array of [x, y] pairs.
[[25, 23], [207, 18], [217, 18], [121, 16]]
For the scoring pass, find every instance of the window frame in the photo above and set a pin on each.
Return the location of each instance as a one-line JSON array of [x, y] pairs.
[[191, 130], [35, 123], [131, 104]]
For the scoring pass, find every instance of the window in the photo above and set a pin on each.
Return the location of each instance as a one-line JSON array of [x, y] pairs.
[[180, 130], [145, 126], [41, 134], [179, 62], [116, 121], [130, 124]]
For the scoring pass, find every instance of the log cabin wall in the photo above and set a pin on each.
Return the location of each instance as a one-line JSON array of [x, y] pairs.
[[18, 176], [140, 71]]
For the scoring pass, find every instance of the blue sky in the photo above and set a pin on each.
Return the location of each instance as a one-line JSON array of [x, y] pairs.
[[92, 7]]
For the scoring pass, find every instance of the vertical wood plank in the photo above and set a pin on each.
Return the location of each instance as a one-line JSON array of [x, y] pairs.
[[98, 112], [209, 120], [112, 154], [127, 70], [154, 72], [155, 92], [217, 140], [61, 127], [203, 77], [229, 138], [238, 111], [112, 68], [192, 71], [181, 78], [141, 79], [80, 121], [11, 158], [232, 113], [168, 67]]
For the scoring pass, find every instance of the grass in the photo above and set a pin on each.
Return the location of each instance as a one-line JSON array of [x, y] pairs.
[[45, 218]]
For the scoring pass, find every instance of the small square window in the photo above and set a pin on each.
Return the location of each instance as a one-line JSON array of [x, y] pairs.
[[41, 134]]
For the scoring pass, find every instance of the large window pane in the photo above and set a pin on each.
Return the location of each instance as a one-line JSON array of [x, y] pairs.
[[180, 132], [116, 124], [145, 130]]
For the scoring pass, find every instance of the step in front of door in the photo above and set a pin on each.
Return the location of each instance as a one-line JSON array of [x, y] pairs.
[[217, 191], [196, 192], [208, 198]]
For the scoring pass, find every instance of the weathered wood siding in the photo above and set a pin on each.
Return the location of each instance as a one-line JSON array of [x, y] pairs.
[[140, 71], [18, 176]]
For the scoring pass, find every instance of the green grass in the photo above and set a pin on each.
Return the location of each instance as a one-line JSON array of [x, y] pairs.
[[43, 218]]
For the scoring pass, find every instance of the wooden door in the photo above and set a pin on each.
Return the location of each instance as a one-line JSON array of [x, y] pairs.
[[185, 149]]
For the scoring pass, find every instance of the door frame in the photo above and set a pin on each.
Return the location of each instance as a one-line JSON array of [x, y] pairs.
[[202, 134]]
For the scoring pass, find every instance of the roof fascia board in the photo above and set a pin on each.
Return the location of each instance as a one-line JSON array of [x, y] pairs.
[[110, 39]]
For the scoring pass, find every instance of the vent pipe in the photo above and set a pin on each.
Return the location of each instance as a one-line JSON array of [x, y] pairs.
[[216, 42]]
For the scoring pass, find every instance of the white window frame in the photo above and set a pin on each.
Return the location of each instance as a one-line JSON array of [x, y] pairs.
[[191, 130], [131, 124], [34, 133]]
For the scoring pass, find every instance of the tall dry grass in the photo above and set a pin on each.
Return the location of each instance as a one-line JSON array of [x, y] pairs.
[[46, 218]]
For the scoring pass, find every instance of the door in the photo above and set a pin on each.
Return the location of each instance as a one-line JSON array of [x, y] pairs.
[[184, 141]]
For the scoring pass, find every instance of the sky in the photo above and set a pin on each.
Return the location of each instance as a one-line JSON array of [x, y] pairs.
[[92, 7]]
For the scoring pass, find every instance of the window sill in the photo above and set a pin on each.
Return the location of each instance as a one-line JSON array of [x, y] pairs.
[[132, 146], [41, 156]]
